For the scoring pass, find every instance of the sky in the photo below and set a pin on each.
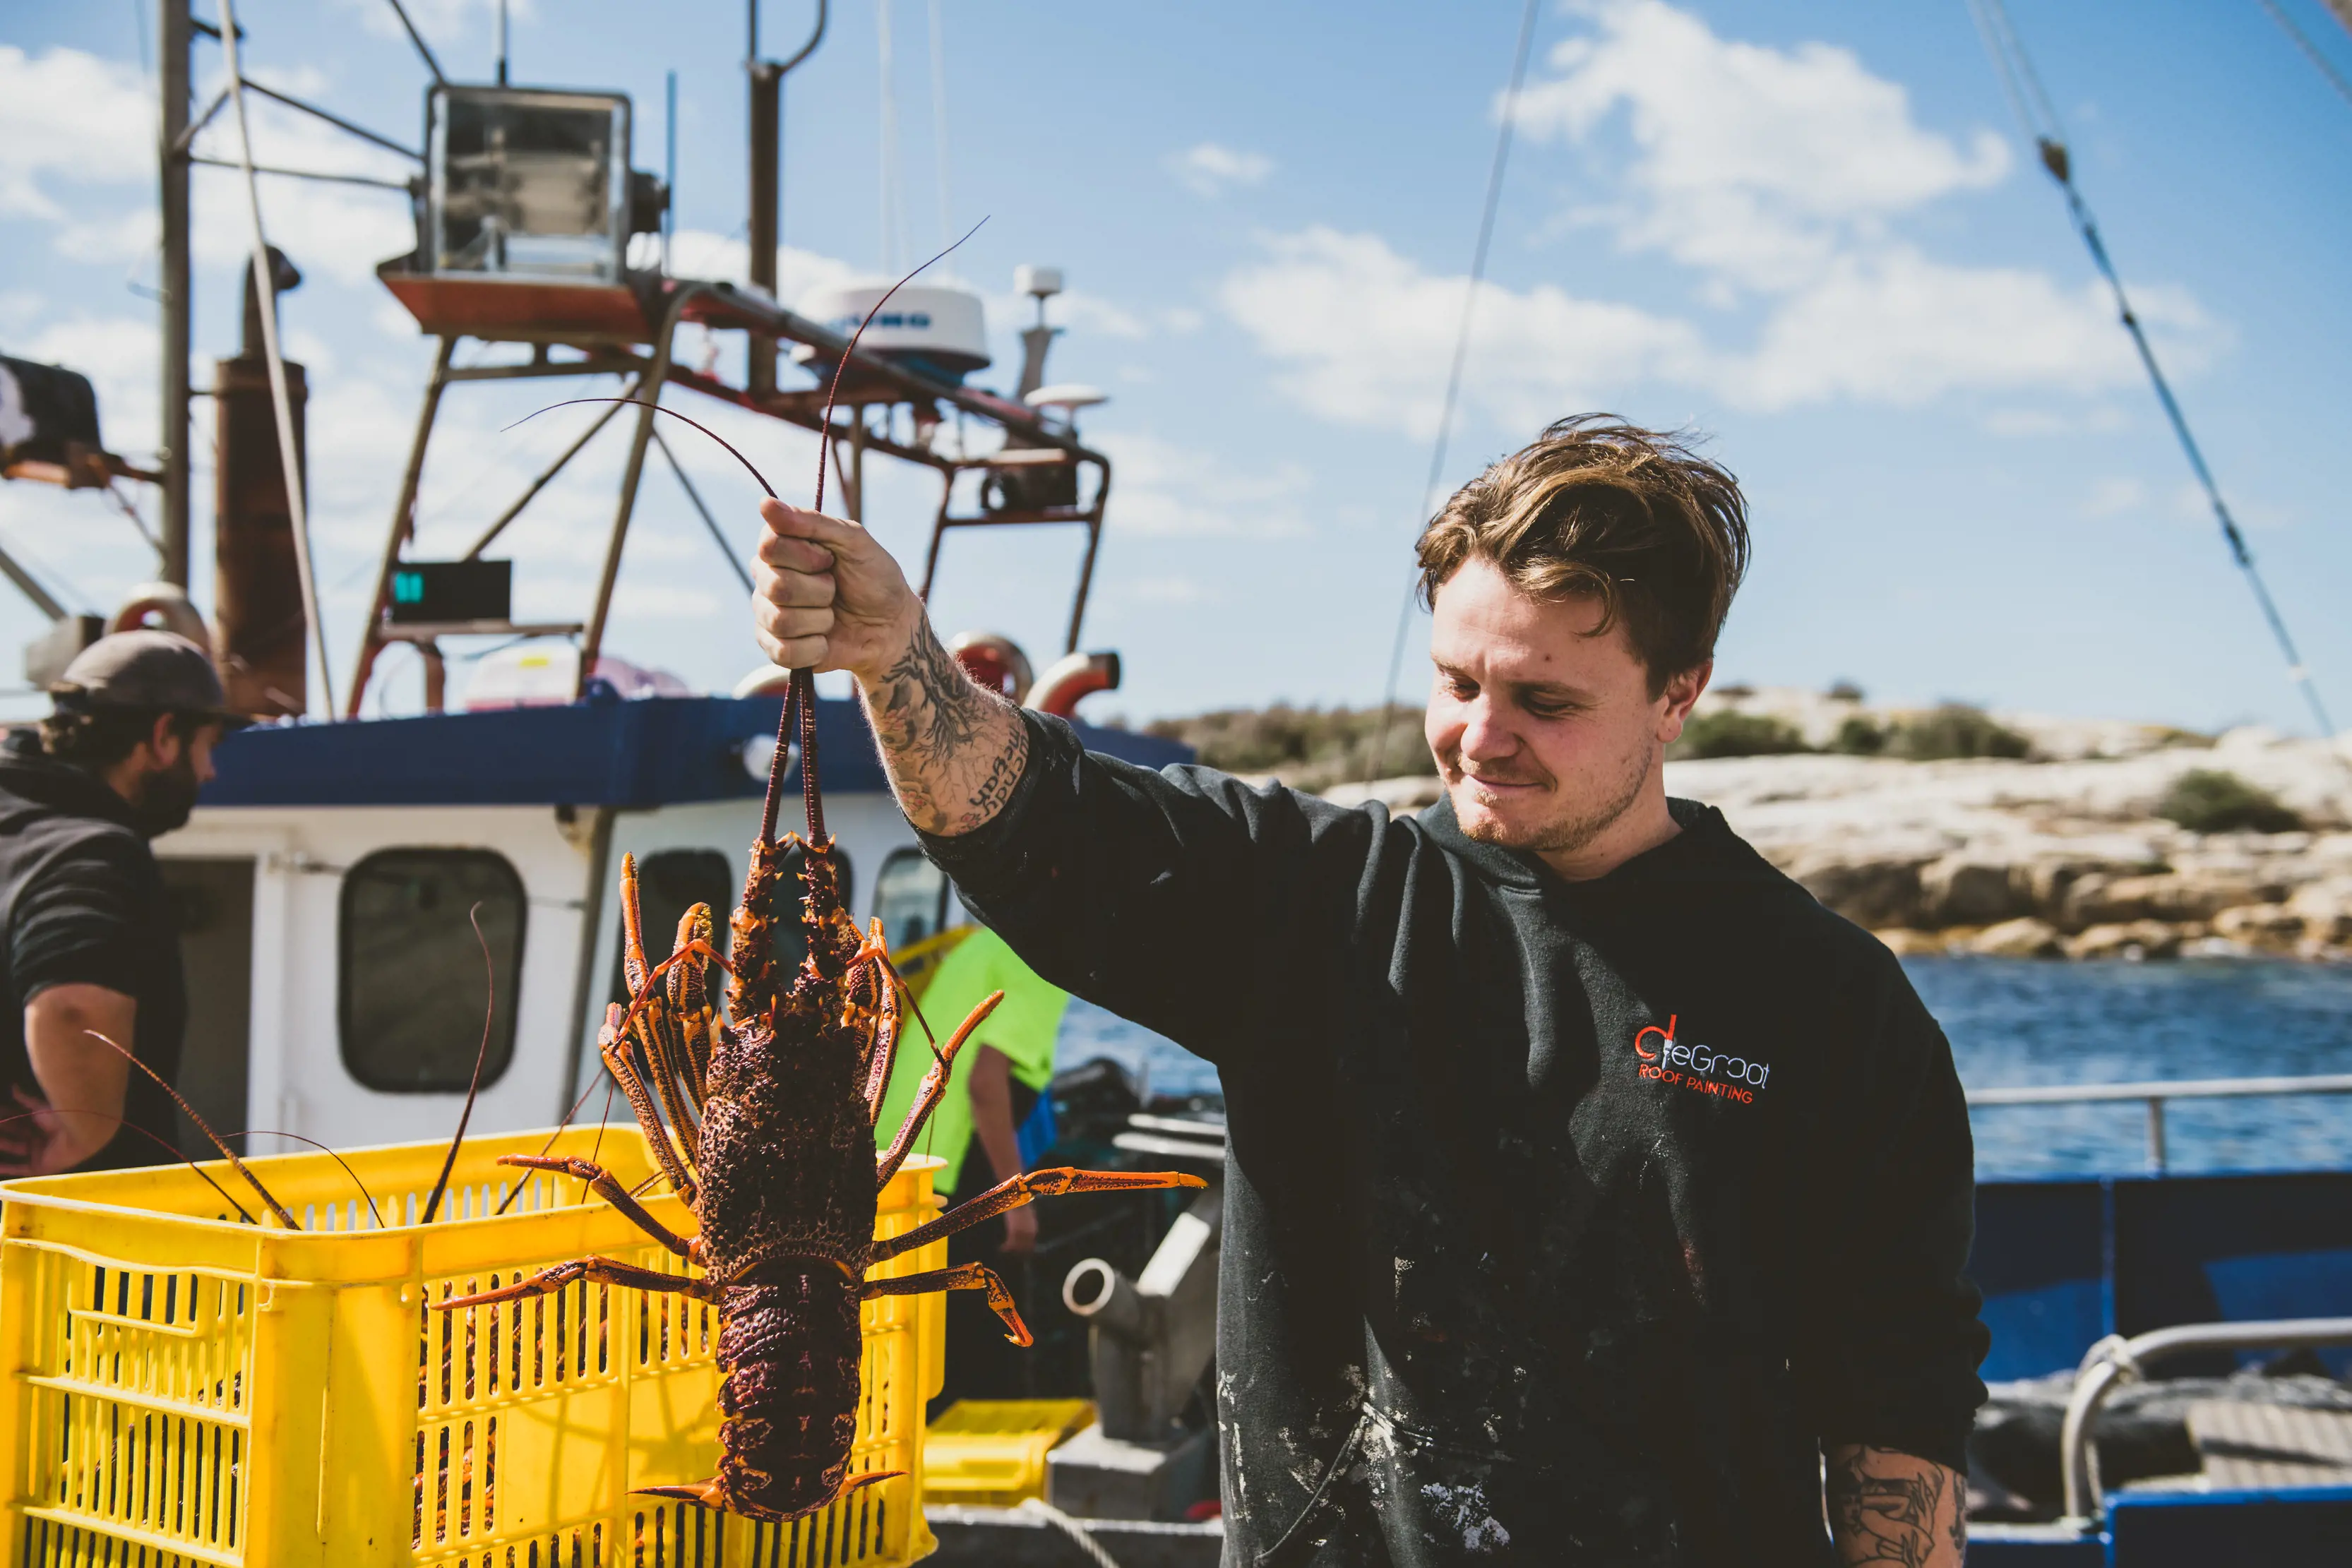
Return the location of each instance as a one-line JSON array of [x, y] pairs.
[[1807, 229]]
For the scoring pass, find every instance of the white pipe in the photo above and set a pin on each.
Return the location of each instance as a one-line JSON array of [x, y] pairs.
[[298, 505]]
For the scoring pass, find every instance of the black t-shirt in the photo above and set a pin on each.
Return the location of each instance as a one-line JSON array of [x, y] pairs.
[[1564, 1222], [83, 902]]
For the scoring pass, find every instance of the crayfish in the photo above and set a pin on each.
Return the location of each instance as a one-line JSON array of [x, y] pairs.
[[762, 1122]]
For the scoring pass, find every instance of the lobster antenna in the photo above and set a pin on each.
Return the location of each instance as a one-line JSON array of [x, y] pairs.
[[516, 1191], [204, 1127], [373, 1212], [159, 1143], [474, 1089], [804, 680]]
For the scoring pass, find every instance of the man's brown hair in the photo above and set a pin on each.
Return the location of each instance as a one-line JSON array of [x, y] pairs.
[[1598, 508]]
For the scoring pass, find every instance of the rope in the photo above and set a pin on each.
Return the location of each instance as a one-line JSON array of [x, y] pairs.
[[2040, 121], [298, 505], [2310, 51], [1453, 376], [1070, 1527]]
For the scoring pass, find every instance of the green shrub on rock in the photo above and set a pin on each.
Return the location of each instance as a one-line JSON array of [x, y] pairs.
[[2208, 801], [1860, 736], [1725, 733], [1955, 730]]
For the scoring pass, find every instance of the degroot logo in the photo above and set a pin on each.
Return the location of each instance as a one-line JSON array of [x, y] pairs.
[[1696, 1068]]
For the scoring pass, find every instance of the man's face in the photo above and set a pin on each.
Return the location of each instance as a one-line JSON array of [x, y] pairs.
[[1545, 734], [170, 771]]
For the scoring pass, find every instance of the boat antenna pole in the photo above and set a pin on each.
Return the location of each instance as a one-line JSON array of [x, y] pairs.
[[1453, 376], [289, 457], [2040, 121], [766, 181]]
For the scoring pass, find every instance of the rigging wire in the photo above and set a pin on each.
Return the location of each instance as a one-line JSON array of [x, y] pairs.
[[939, 118], [2040, 124], [2303, 42], [1453, 376], [893, 218], [298, 505]]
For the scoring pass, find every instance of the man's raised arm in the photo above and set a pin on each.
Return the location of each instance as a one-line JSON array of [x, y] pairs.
[[827, 596]]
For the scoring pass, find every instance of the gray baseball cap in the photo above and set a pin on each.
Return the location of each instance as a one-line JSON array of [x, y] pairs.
[[146, 669]]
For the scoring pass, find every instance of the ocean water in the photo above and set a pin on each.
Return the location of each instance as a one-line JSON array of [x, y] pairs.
[[2020, 1021]]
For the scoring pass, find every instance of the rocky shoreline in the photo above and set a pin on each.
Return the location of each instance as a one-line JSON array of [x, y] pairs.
[[2059, 858]]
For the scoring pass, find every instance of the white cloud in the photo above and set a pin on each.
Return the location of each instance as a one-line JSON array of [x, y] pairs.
[[70, 116], [1750, 163], [2115, 495], [1160, 489], [1365, 335], [1778, 179], [1212, 169]]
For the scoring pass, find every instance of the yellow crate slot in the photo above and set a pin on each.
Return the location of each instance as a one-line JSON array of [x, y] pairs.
[[184, 1387], [991, 1453]]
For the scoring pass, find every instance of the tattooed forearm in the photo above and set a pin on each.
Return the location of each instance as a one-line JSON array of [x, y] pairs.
[[953, 751], [1890, 1507]]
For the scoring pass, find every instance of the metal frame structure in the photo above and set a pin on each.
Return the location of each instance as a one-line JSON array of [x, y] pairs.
[[2156, 1093], [2115, 1360], [871, 381]]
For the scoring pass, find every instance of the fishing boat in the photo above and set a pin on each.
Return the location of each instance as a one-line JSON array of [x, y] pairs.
[[325, 879]]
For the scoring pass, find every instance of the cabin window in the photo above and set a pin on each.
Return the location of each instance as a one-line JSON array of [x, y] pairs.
[[411, 987], [785, 934], [670, 883], [910, 899]]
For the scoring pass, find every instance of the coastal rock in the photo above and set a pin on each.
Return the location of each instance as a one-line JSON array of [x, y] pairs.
[[2270, 926], [2025, 937], [2191, 894], [1872, 893], [1960, 890], [2325, 910], [1906, 943], [2131, 939]]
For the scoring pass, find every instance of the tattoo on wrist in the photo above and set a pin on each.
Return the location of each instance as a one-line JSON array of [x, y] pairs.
[[935, 724], [929, 676], [1888, 1506]]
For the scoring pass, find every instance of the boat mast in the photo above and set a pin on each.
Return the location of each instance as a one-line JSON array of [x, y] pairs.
[[172, 169]]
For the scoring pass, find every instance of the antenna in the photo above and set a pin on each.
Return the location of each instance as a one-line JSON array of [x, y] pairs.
[[669, 167], [502, 43]]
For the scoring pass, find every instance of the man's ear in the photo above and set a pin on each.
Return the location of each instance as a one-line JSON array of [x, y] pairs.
[[164, 742], [1681, 691]]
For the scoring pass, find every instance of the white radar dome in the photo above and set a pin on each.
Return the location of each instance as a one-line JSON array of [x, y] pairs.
[[936, 331]]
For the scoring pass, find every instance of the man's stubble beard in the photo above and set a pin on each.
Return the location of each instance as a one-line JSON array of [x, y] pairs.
[[164, 798], [1573, 832]]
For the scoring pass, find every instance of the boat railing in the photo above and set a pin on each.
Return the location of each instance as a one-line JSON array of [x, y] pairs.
[[2115, 1360], [2154, 1095]]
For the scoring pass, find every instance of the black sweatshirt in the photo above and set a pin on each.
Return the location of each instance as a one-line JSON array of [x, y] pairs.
[[1565, 1222], [83, 904]]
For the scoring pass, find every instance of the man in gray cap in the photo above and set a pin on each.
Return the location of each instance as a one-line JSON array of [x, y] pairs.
[[86, 935]]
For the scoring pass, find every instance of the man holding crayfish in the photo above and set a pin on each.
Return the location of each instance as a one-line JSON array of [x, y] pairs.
[[1594, 1196]]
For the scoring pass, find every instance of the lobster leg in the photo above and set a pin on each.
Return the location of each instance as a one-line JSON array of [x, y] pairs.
[[601, 1182], [962, 1277], [613, 1046], [887, 1023], [935, 1088], [604, 1271], [1015, 1191]]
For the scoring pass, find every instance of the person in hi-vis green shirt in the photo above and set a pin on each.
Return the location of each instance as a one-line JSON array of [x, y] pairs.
[[997, 1077]]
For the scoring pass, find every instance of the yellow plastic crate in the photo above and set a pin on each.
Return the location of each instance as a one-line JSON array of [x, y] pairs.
[[991, 1453], [215, 1392]]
